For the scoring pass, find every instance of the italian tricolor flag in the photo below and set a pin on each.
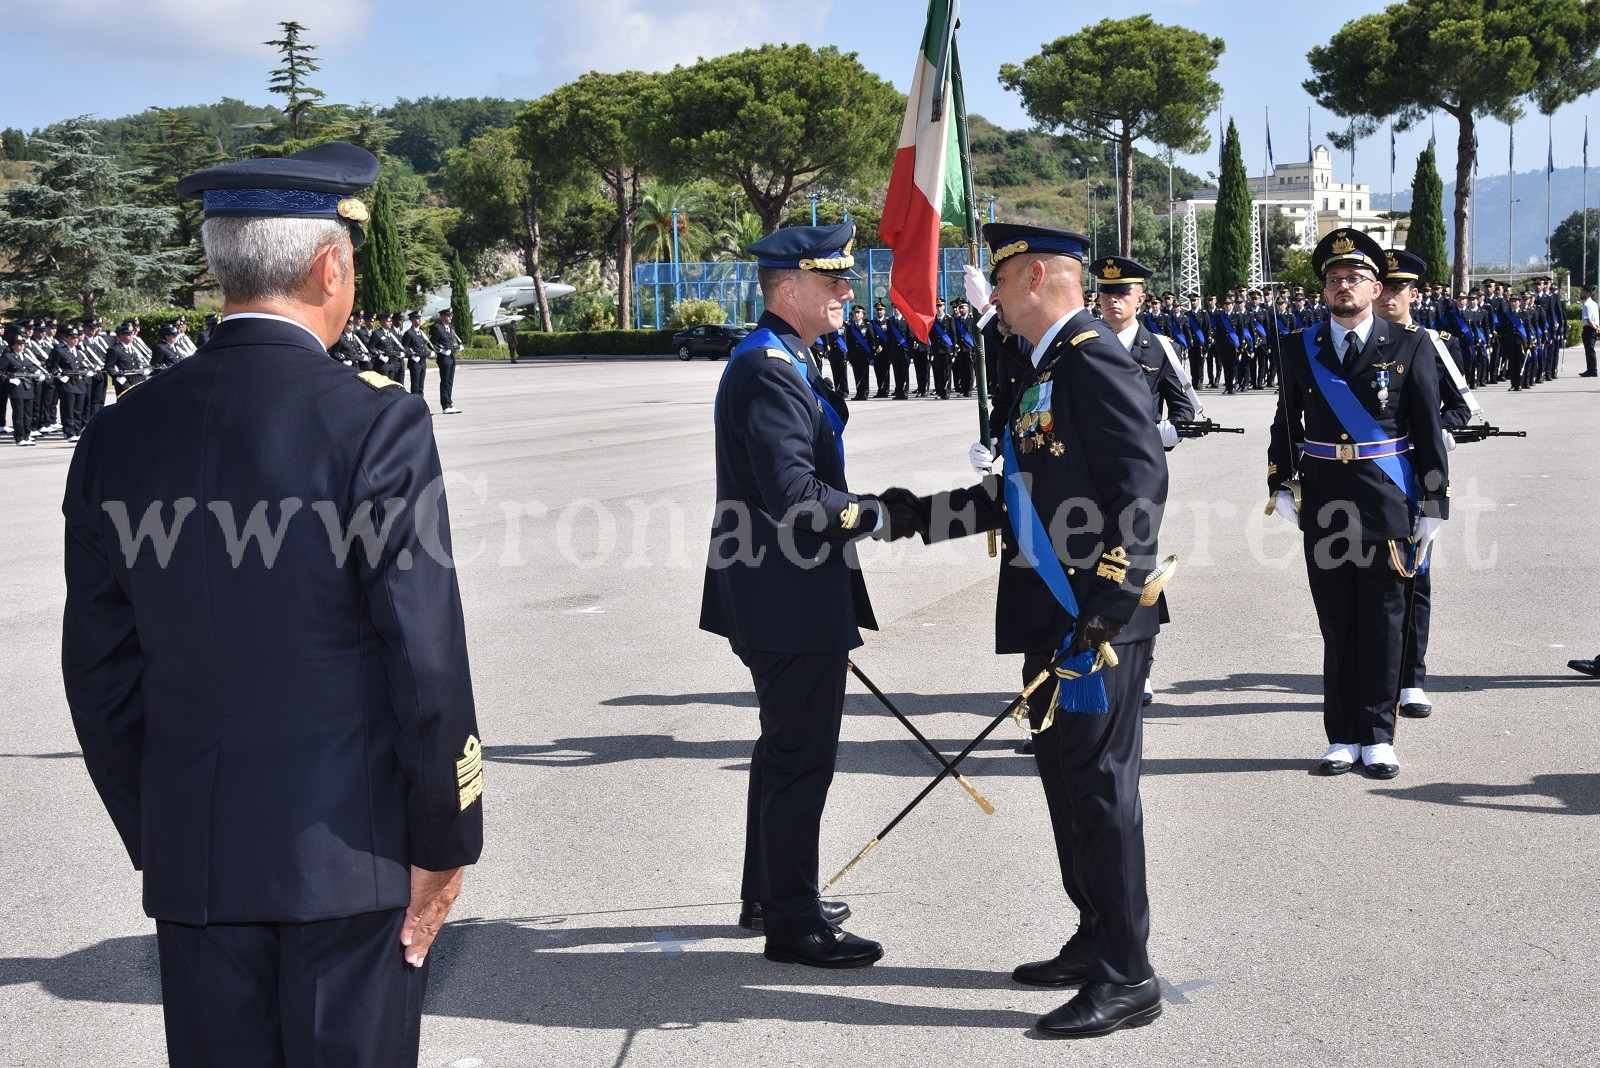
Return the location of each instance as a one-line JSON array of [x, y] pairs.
[[928, 186]]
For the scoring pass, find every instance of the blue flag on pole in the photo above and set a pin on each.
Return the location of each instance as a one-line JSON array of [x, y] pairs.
[[1550, 159], [1309, 153], [1391, 151], [1271, 166]]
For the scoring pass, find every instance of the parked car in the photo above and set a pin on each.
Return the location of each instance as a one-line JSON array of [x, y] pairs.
[[713, 342]]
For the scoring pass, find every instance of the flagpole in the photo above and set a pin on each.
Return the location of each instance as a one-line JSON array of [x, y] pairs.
[[1511, 185], [1583, 279], [1391, 181], [980, 361], [1549, 176]]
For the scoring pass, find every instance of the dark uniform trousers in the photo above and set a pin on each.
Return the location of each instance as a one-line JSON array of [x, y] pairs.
[[287, 995], [419, 374], [1089, 766], [802, 700], [1360, 603], [447, 381], [1414, 670]]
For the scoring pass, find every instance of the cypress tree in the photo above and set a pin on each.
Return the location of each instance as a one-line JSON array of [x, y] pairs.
[[1426, 237], [381, 286], [460, 305], [1229, 264]]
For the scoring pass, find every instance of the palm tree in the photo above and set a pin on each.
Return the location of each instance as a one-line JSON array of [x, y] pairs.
[[652, 233], [736, 234]]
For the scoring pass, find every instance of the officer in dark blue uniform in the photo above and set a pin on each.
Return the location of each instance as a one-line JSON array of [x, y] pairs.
[[1075, 412], [446, 344], [1357, 460], [281, 729], [783, 584], [859, 342], [1402, 272]]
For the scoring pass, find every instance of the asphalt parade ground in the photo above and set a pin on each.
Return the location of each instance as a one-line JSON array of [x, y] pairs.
[[1448, 917]]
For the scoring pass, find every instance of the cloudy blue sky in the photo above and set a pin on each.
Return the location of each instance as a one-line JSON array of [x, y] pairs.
[[192, 51]]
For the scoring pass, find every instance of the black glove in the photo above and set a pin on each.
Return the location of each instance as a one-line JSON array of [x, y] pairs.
[[908, 513], [1094, 631]]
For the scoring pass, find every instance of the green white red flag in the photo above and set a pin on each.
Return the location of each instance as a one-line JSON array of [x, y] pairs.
[[928, 187]]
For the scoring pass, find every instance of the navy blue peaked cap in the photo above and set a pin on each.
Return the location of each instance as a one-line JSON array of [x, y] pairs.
[[823, 249], [318, 183], [1347, 245], [1116, 274], [1012, 239], [1403, 266]]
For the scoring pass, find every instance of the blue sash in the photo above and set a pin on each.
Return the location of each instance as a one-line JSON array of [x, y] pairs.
[[1194, 324], [1358, 422], [856, 333], [766, 339], [1227, 324], [965, 334], [1087, 693]]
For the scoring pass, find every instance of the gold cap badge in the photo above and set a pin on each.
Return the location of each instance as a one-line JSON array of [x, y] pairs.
[[1343, 245], [352, 209]]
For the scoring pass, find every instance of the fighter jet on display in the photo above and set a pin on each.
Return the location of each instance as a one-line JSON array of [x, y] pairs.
[[496, 306]]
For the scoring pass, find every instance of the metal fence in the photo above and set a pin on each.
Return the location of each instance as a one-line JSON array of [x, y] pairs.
[[659, 286]]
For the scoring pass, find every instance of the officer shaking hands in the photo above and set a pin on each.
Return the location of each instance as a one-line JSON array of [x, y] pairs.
[[783, 583], [282, 729], [1079, 503]]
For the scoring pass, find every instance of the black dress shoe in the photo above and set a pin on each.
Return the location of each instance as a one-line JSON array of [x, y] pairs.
[[1101, 1008], [1070, 967], [1026, 747], [1333, 767], [830, 948], [1588, 667], [750, 915], [1382, 771], [1416, 710]]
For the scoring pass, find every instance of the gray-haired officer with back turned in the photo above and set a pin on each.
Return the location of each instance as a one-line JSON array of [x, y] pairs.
[[276, 710]]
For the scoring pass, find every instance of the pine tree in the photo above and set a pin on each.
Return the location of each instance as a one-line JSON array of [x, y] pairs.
[[75, 233], [179, 148], [381, 263], [1228, 267], [1426, 238], [290, 82], [460, 303]]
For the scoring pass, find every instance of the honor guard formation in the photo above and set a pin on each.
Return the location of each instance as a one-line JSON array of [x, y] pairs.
[[303, 834], [56, 376]]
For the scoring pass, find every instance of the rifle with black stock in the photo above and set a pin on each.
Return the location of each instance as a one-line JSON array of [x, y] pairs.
[[1199, 428], [1481, 431]]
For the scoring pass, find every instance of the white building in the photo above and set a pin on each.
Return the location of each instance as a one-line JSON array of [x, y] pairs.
[[1309, 197]]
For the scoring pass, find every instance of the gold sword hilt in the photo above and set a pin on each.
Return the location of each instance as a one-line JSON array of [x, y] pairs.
[[993, 552]]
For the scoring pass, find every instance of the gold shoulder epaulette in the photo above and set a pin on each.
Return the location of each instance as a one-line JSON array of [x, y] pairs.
[[1444, 335], [775, 354], [377, 381], [1411, 328], [1148, 369], [1081, 338]]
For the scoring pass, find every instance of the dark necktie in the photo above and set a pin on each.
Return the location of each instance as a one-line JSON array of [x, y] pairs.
[[1352, 349]]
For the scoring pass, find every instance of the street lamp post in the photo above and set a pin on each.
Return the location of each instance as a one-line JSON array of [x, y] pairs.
[[813, 209], [1511, 232], [677, 276], [991, 207]]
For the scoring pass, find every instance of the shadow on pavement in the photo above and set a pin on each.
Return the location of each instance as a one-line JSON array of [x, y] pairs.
[[504, 971], [496, 970], [118, 970], [1575, 794], [997, 756]]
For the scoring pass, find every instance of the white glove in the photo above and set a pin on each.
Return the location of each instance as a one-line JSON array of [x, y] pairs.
[[1283, 505], [62, 379], [16, 381], [1169, 435], [977, 287], [122, 380], [1423, 534], [983, 461], [1449, 442]]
